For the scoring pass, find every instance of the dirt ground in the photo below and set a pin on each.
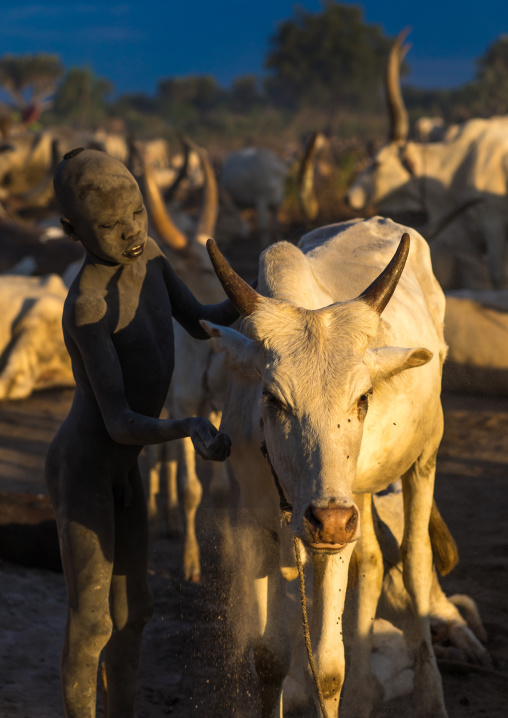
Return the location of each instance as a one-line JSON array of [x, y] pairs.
[[188, 666]]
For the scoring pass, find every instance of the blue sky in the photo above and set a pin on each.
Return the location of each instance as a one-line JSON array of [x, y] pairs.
[[134, 44]]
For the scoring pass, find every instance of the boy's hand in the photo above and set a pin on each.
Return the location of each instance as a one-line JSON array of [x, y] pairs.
[[208, 442]]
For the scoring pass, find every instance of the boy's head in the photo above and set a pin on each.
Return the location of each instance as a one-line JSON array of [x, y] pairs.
[[102, 205]]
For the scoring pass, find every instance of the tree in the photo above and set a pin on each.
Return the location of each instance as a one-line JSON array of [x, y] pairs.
[[245, 93], [329, 59], [30, 80], [200, 91], [81, 98], [492, 78]]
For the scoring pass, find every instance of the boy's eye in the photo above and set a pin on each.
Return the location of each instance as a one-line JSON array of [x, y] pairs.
[[107, 226], [139, 211]]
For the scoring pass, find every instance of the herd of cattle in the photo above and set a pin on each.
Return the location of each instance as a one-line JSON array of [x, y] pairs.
[[348, 321]]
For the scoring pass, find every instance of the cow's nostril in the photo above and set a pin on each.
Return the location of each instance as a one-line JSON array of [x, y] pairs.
[[334, 524], [311, 517]]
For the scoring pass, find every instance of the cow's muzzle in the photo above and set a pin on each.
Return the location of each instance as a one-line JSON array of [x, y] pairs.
[[331, 528]]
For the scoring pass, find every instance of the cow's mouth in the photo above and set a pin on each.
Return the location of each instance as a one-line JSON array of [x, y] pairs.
[[327, 548], [135, 251]]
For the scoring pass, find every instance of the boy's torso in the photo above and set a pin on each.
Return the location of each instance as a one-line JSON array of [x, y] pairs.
[[138, 316]]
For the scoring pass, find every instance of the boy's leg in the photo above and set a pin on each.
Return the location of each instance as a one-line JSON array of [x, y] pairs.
[[131, 601], [86, 543]]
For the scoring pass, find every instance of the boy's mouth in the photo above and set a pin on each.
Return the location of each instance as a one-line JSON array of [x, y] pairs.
[[135, 251]]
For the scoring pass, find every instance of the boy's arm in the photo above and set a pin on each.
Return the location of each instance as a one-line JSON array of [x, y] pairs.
[[95, 345], [188, 311]]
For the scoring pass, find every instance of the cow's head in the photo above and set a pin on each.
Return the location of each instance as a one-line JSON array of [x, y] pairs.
[[316, 375], [390, 182]]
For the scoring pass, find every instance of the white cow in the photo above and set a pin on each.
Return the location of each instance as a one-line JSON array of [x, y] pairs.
[[32, 348], [320, 378], [460, 183], [254, 177], [199, 377]]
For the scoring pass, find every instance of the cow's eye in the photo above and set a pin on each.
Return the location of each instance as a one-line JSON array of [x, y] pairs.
[[363, 404], [272, 401]]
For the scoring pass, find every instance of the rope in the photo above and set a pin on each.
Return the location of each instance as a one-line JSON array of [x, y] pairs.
[[285, 511], [306, 632]]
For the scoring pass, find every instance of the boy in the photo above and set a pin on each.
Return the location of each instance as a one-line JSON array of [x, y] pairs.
[[117, 323]]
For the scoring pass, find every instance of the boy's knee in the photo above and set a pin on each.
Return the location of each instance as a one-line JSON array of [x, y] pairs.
[[90, 629]]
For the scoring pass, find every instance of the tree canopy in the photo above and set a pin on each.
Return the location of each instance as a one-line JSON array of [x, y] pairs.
[[81, 98], [330, 58]]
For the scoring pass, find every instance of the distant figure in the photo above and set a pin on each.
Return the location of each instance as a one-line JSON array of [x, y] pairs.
[[117, 323]]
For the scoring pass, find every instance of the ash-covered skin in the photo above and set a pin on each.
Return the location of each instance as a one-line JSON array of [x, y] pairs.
[[118, 329]]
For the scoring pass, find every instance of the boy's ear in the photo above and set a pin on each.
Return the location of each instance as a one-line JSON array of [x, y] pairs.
[[68, 229]]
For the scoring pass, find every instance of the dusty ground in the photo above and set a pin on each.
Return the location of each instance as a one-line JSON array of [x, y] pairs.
[[185, 668]]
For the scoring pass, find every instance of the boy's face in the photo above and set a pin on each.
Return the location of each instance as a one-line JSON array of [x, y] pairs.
[[111, 220]]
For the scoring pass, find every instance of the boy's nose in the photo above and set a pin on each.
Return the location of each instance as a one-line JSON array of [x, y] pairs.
[[128, 230]]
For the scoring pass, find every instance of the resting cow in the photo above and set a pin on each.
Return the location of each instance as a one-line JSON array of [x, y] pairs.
[[320, 378], [32, 348], [476, 331]]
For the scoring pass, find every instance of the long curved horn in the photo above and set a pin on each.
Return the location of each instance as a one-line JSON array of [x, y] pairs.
[[164, 225], [210, 205], [399, 123], [170, 192], [241, 294], [306, 191], [379, 293]]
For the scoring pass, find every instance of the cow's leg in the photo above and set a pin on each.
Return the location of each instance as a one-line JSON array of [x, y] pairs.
[[220, 490], [329, 592], [418, 489], [153, 456], [192, 492], [271, 646], [449, 626], [131, 602], [173, 518], [362, 690]]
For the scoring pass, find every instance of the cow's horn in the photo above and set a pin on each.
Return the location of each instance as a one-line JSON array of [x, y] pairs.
[[241, 294], [164, 225], [399, 123], [379, 293], [210, 206], [170, 192], [306, 191]]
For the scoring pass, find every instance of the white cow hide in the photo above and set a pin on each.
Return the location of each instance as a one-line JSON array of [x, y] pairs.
[[309, 361]]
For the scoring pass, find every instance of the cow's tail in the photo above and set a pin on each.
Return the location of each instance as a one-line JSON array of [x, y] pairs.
[[444, 548]]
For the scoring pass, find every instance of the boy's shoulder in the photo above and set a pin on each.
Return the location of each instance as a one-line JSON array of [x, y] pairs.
[[83, 307]]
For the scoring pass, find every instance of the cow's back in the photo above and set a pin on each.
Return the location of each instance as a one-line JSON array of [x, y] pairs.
[[339, 261]]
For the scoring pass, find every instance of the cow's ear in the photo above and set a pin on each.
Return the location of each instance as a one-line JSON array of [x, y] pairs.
[[244, 355], [385, 362]]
